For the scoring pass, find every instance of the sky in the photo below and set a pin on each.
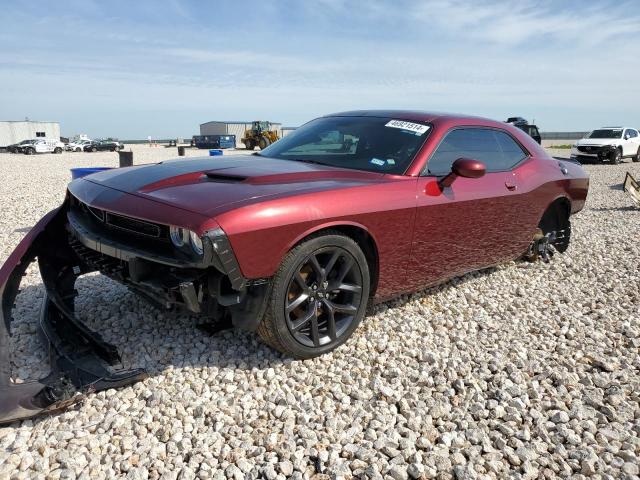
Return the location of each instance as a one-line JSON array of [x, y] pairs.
[[133, 69]]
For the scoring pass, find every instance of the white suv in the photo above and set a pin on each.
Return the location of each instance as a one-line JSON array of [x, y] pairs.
[[608, 143], [43, 145]]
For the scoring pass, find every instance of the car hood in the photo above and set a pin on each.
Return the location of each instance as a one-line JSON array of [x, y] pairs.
[[212, 185], [597, 141]]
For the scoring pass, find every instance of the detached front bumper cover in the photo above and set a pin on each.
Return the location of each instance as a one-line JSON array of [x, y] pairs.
[[79, 357]]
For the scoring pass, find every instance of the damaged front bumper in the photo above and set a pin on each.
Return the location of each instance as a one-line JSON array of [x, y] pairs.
[[74, 240], [80, 359]]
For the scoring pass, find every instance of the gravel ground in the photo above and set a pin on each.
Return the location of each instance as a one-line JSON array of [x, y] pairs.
[[522, 371]]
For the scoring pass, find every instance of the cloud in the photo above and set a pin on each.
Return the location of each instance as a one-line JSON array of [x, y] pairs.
[[298, 59]]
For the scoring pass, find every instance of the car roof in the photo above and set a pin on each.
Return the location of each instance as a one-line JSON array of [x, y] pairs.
[[421, 116]]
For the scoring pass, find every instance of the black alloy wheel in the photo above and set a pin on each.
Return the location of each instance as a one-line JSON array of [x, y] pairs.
[[319, 297], [323, 297], [29, 151]]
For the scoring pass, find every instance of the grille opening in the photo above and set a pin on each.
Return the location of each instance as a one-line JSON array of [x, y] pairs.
[[132, 225], [121, 222]]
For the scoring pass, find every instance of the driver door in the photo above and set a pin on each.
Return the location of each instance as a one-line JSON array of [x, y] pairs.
[[474, 223]]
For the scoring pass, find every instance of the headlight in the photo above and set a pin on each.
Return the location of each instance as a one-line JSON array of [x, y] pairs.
[[196, 243], [179, 236]]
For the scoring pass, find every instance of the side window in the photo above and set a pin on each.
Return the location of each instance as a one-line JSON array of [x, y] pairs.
[[512, 153], [633, 133], [496, 149]]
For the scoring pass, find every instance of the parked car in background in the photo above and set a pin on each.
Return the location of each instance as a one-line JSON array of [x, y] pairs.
[[77, 146], [17, 147], [103, 145], [292, 242], [525, 126], [610, 144], [43, 145]]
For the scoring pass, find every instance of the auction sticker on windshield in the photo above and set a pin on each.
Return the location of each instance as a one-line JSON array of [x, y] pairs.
[[411, 127]]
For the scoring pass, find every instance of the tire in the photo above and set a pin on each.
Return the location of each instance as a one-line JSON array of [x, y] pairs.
[[78, 149], [616, 156], [636, 157], [29, 151], [249, 145], [57, 150], [113, 149], [303, 328], [94, 149], [263, 143]]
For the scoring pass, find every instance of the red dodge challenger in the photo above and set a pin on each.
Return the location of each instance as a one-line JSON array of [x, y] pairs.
[[292, 242]]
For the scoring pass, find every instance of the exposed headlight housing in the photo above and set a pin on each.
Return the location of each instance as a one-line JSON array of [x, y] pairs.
[[196, 243], [179, 236]]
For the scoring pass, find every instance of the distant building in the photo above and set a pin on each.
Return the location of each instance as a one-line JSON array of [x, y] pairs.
[[237, 128], [16, 131], [287, 130]]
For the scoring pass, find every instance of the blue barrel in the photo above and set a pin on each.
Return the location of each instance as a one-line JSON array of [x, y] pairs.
[[83, 172], [215, 152]]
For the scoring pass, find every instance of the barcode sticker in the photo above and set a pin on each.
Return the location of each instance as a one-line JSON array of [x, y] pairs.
[[416, 128]]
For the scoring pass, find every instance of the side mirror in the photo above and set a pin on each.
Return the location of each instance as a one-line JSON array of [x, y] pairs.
[[463, 167], [626, 137]]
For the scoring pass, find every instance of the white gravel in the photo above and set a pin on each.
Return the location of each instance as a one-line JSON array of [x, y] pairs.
[[522, 371]]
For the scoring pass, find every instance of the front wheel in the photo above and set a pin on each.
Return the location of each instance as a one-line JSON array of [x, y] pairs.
[[263, 143], [249, 145], [318, 297], [78, 149], [29, 151], [616, 156], [636, 157], [57, 150], [94, 149]]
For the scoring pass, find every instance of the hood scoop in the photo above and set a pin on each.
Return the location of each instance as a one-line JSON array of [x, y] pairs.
[[224, 178]]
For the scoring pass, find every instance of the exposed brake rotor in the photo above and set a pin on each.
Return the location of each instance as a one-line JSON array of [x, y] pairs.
[[542, 246]]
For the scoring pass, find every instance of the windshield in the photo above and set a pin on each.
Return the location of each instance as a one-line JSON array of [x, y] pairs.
[[374, 144], [606, 133]]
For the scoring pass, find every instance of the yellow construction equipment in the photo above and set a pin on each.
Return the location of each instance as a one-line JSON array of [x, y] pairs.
[[259, 135]]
